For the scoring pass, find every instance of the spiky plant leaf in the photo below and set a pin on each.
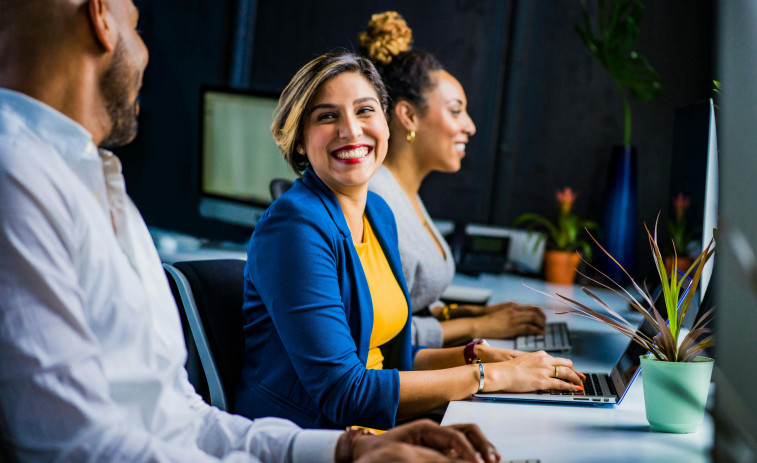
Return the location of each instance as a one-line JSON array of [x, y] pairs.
[[664, 344]]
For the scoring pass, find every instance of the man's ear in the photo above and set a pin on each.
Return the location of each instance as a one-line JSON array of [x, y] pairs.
[[102, 24], [406, 114]]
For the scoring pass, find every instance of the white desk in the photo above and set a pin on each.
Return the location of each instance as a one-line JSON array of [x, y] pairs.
[[566, 433], [176, 247]]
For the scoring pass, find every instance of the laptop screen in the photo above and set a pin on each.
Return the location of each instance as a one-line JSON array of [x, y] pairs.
[[628, 364]]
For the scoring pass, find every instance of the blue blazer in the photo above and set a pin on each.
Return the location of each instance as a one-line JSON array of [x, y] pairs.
[[309, 316]]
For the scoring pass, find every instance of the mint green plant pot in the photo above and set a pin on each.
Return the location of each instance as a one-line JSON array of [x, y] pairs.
[[675, 393]]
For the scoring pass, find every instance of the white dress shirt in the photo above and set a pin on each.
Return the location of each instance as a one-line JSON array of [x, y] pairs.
[[91, 348]]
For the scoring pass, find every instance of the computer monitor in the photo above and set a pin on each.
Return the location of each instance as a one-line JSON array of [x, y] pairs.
[[238, 157], [694, 172]]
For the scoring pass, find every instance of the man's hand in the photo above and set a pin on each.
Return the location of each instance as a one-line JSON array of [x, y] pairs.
[[424, 440]]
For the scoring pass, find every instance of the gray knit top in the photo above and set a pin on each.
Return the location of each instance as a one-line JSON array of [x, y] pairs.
[[426, 271]]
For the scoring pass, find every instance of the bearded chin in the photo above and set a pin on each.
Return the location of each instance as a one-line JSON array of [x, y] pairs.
[[124, 128], [116, 86]]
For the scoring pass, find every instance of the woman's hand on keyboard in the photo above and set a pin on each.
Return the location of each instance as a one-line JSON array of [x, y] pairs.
[[489, 354], [509, 320], [533, 372]]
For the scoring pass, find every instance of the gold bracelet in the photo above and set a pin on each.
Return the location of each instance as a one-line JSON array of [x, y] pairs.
[[344, 452], [447, 309]]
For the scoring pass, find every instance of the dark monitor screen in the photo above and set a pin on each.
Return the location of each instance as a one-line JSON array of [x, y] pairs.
[[238, 156]]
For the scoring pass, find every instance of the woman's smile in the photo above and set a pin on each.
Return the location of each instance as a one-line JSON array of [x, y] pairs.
[[352, 154]]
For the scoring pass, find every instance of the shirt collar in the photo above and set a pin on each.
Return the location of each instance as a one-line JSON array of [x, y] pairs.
[[67, 137]]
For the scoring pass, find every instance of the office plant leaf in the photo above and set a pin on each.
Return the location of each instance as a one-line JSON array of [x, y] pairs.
[[610, 36]]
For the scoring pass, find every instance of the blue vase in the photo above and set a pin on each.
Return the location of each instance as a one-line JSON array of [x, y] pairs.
[[620, 219]]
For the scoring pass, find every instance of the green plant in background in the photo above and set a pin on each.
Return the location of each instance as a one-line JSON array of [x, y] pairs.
[[617, 27], [664, 345], [564, 233]]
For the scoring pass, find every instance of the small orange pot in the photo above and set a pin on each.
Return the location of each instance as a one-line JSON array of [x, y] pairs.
[[683, 263], [560, 266]]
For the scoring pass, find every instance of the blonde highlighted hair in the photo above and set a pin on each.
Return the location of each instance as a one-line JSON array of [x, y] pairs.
[[296, 99]]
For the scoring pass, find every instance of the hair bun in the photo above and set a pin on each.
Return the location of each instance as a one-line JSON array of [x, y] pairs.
[[386, 36]]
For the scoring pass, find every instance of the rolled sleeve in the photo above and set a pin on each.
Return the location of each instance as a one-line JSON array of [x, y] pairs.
[[314, 446]]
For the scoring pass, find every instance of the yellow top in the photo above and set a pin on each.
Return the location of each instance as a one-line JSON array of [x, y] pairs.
[[389, 303]]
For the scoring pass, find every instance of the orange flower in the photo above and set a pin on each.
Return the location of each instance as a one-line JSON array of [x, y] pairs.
[[566, 197], [681, 203]]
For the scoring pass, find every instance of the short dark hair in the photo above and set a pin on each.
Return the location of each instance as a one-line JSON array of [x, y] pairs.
[[289, 121], [408, 77]]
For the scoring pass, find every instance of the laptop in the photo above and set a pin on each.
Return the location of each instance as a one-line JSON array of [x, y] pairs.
[[599, 388], [556, 338]]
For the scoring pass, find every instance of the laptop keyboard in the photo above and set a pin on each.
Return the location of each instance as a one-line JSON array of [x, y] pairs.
[[555, 337], [594, 385]]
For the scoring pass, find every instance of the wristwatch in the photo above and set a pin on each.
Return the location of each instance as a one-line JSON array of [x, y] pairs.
[[470, 351]]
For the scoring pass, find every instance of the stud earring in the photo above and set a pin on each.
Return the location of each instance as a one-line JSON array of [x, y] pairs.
[[410, 136]]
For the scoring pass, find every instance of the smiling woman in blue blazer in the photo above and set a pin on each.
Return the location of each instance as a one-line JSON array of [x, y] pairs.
[[327, 339]]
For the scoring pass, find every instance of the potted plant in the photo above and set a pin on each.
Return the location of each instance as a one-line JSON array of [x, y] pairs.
[[680, 235], [563, 238], [610, 36], [676, 378]]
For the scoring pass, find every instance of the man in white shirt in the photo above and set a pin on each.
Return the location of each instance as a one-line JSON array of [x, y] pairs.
[[91, 348]]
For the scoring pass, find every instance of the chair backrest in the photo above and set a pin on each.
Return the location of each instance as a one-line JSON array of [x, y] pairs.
[[211, 295], [278, 187]]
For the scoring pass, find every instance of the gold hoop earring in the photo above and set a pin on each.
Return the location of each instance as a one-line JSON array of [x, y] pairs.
[[410, 136]]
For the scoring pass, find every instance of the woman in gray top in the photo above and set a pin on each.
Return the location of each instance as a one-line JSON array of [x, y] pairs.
[[429, 129]]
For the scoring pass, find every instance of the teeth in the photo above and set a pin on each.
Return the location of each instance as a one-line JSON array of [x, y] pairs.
[[460, 146], [352, 154]]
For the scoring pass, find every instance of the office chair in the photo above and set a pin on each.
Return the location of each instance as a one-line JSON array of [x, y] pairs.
[[211, 295], [278, 187]]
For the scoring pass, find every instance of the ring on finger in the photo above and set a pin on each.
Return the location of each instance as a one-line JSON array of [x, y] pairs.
[[557, 371]]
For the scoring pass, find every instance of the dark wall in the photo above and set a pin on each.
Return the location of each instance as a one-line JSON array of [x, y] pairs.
[[563, 113], [547, 113], [468, 36], [190, 45]]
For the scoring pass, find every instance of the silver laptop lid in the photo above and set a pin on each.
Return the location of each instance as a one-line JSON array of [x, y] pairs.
[[628, 364]]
